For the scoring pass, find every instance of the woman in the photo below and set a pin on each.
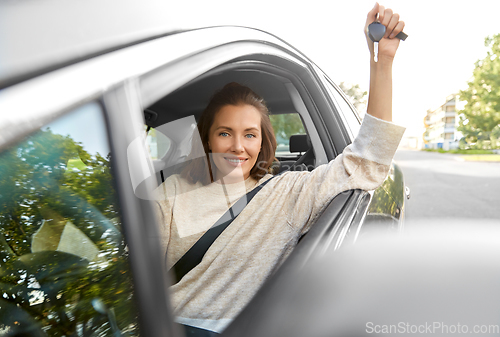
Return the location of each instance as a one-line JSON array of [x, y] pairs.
[[239, 145]]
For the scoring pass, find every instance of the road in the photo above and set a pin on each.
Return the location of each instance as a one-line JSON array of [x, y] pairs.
[[445, 187]]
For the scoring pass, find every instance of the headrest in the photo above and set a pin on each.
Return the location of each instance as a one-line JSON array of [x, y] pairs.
[[299, 143]]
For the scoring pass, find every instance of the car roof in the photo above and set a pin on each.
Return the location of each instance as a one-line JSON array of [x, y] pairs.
[[182, 102], [42, 35]]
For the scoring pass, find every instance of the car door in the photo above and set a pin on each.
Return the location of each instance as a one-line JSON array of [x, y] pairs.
[[79, 250], [181, 89]]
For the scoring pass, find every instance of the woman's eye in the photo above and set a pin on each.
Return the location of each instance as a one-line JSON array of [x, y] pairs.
[[224, 134], [250, 136]]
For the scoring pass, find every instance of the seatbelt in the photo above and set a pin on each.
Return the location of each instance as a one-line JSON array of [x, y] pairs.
[[195, 254]]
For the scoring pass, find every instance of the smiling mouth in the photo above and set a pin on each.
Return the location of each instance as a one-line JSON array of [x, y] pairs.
[[235, 161]]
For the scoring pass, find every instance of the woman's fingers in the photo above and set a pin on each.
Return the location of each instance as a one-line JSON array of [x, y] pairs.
[[391, 25], [390, 20], [384, 15], [372, 15], [399, 28]]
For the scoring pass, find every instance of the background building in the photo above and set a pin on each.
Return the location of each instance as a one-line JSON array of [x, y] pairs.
[[441, 125]]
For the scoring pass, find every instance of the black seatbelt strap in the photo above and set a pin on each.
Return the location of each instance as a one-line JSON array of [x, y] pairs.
[[195, 254]]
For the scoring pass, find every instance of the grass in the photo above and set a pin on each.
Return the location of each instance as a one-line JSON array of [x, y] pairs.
[[459, 151], [471, 155], [482, 157]]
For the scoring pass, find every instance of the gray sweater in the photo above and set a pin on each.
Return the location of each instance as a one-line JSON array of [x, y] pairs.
[[266, 231]]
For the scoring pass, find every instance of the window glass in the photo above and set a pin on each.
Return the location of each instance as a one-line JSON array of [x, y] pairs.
[[346, 110], [158, 144], [285, 126], [63, 262]]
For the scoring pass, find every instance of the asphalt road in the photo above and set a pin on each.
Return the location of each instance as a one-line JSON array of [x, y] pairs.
[[444, 187]]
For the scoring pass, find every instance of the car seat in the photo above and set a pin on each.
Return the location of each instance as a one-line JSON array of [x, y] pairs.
[[300, 144]]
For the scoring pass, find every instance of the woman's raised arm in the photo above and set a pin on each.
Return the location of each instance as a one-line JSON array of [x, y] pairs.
[[380, 93]]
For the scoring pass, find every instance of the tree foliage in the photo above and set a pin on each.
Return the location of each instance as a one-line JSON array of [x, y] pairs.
[[286, 125], [355, 94], [480, 120]]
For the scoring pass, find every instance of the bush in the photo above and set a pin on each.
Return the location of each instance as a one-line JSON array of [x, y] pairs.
[[461, 151]]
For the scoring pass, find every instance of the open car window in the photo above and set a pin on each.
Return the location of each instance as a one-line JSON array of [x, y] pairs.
[[64, 265]]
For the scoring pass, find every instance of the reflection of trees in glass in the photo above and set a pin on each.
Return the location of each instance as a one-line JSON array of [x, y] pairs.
[[380, 217], [51, 180], [382, 203]]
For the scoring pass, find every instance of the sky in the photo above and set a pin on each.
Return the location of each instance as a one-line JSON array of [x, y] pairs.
[[85, 125], [445, 39]]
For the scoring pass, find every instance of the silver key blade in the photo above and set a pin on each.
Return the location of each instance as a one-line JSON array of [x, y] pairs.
[[375, 51]]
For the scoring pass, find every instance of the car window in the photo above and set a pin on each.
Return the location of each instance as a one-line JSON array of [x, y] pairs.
[[285, 126], [64, 267], [158, 144], [346, 112]]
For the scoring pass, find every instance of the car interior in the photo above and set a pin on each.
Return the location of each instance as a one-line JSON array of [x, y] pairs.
[[175, 116], [171, 120]]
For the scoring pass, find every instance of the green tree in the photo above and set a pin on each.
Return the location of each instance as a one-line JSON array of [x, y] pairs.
[[286, 125], [355, 94], [480, 118], [50, 180]]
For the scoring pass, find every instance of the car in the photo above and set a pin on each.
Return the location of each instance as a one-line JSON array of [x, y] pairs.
[[79, 245]]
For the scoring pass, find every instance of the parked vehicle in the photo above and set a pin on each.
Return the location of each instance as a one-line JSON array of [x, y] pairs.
[[79, 248]]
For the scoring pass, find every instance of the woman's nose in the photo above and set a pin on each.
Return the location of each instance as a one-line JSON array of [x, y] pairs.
[[237, 145]]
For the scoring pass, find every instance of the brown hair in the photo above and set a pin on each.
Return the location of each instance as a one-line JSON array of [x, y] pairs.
[[231, 94]]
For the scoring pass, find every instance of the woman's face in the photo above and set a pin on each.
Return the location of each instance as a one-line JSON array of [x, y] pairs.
[[235, 140]]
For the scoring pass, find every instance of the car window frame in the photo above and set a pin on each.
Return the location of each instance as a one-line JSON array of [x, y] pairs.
[[350, 114], [334, 94], [125, 111]]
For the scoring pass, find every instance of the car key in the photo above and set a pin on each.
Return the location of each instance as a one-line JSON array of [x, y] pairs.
[[376, 32]]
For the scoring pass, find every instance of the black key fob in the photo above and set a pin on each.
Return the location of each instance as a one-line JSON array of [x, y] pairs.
[[376, 31]]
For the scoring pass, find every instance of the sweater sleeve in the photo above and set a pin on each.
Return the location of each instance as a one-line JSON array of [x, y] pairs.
[[163, 211], [364, 164]]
